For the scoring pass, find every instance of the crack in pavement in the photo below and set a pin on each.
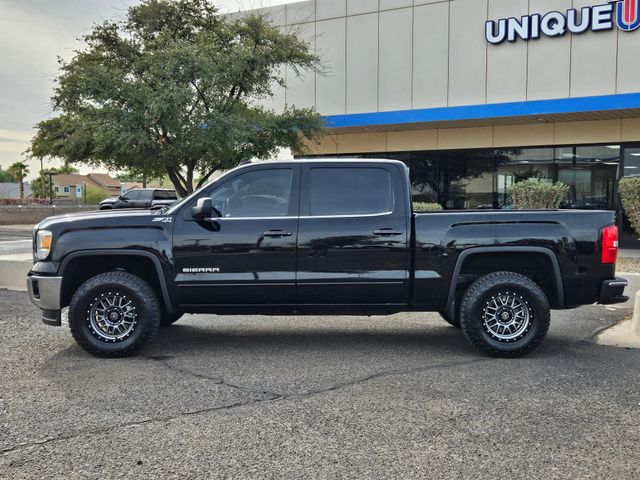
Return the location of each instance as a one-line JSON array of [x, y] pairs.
[[218, 380], [269, 397]]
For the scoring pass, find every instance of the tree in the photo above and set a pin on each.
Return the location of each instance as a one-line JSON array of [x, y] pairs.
[[173, 90], [6, 177], [19, 171]]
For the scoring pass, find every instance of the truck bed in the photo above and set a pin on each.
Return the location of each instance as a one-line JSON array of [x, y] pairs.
[[443, 238]]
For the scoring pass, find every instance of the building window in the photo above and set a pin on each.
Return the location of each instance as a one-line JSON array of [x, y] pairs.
[[66, 189], [591, 173], [56, 189], [465, 179], [481, 178], [632, 162]]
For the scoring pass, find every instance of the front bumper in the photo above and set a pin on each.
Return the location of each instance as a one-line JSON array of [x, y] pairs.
[[612, 291], [44, 293]]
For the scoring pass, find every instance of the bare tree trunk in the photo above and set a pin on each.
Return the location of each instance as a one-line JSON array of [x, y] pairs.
[[174, 176], [22, 190], [43, 193]]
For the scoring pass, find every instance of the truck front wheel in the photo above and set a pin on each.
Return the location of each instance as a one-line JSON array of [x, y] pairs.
[[113, 314], [505, 314]]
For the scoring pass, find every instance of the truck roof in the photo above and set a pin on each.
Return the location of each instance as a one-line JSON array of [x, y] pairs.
[[296, 161]]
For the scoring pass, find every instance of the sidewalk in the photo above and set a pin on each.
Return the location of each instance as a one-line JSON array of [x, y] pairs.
[[620, 334], [16, 255]]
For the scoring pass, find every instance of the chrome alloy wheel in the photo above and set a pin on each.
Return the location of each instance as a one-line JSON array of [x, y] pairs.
[[112, 317], [507, 316]]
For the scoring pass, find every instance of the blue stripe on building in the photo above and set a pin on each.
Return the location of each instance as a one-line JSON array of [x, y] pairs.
[[496, 110]]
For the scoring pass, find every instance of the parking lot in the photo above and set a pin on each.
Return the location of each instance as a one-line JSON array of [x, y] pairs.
[[317, 397]]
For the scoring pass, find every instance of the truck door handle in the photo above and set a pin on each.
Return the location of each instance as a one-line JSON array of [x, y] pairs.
[[387, 232], [276, 233]]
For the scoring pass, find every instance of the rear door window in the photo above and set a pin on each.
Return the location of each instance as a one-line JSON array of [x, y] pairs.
[[164, 195], [349, 191]]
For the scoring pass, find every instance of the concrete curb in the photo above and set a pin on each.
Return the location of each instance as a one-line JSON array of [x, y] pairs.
[[625, 334], [13, 274], [635, 320]]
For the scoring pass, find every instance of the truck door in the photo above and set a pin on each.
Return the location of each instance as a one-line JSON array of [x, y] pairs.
[[247, 256], [129, 200], [145, 198], [353, 235]]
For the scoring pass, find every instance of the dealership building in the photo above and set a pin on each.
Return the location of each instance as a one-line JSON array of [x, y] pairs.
[[476, 94]]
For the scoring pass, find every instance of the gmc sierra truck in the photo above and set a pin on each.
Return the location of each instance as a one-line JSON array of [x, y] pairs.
[[320, 237]]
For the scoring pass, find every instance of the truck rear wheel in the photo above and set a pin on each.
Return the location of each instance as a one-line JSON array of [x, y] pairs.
[[505, 314], [113, 314]]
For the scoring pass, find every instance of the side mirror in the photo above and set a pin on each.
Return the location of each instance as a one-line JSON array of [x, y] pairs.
[[202, 209], [122, 198]]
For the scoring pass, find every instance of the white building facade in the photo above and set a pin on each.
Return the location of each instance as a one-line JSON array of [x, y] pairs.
[[476, 94]]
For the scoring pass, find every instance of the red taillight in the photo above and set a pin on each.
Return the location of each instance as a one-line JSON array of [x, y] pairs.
[[609, 244]]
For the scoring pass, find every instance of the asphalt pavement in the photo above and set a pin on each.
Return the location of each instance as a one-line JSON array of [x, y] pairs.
[[246, 397]]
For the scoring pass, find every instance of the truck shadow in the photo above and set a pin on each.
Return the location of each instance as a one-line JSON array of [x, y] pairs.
[[186, 339], [264, 342]]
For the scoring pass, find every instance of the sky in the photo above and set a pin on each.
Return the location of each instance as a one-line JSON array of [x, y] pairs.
[[33, 33]]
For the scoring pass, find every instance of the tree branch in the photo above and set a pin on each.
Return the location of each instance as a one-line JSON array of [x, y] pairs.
[[201, 95], [205, 178], [177, 181]]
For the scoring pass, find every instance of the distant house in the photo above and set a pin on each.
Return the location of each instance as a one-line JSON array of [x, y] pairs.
[[11, 191], [64, 185], [131, 185]]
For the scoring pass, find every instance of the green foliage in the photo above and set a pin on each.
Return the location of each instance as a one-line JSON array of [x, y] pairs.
[[66, 168], [36, 186], [129, 176], [6, 177], [94, 195], [426, 207], [172, 89], [19, 171], [629, 188], [536, 193]]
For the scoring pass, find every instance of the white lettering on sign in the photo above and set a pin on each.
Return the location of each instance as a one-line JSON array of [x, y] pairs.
[[623, 13]]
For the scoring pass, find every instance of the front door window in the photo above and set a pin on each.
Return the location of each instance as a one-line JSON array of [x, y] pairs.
[[261, 193]]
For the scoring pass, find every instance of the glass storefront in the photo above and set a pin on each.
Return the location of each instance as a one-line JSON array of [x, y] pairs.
[[591, 173], [632, 161], [481, 178]]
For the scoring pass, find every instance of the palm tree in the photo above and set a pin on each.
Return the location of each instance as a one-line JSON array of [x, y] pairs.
[[20, 170]]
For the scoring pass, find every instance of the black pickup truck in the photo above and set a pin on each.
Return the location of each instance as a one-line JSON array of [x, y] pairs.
[[321, 237], [140, 198]]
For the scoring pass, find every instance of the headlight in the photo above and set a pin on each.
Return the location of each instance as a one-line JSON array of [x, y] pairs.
[[43, 244]]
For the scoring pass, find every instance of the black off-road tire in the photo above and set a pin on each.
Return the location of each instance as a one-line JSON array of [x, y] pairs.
[[480, 295], [130, 288], [169, 319]]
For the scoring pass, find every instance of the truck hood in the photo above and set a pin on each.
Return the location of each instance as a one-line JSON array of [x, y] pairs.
[[114, 229], [103, 219]]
